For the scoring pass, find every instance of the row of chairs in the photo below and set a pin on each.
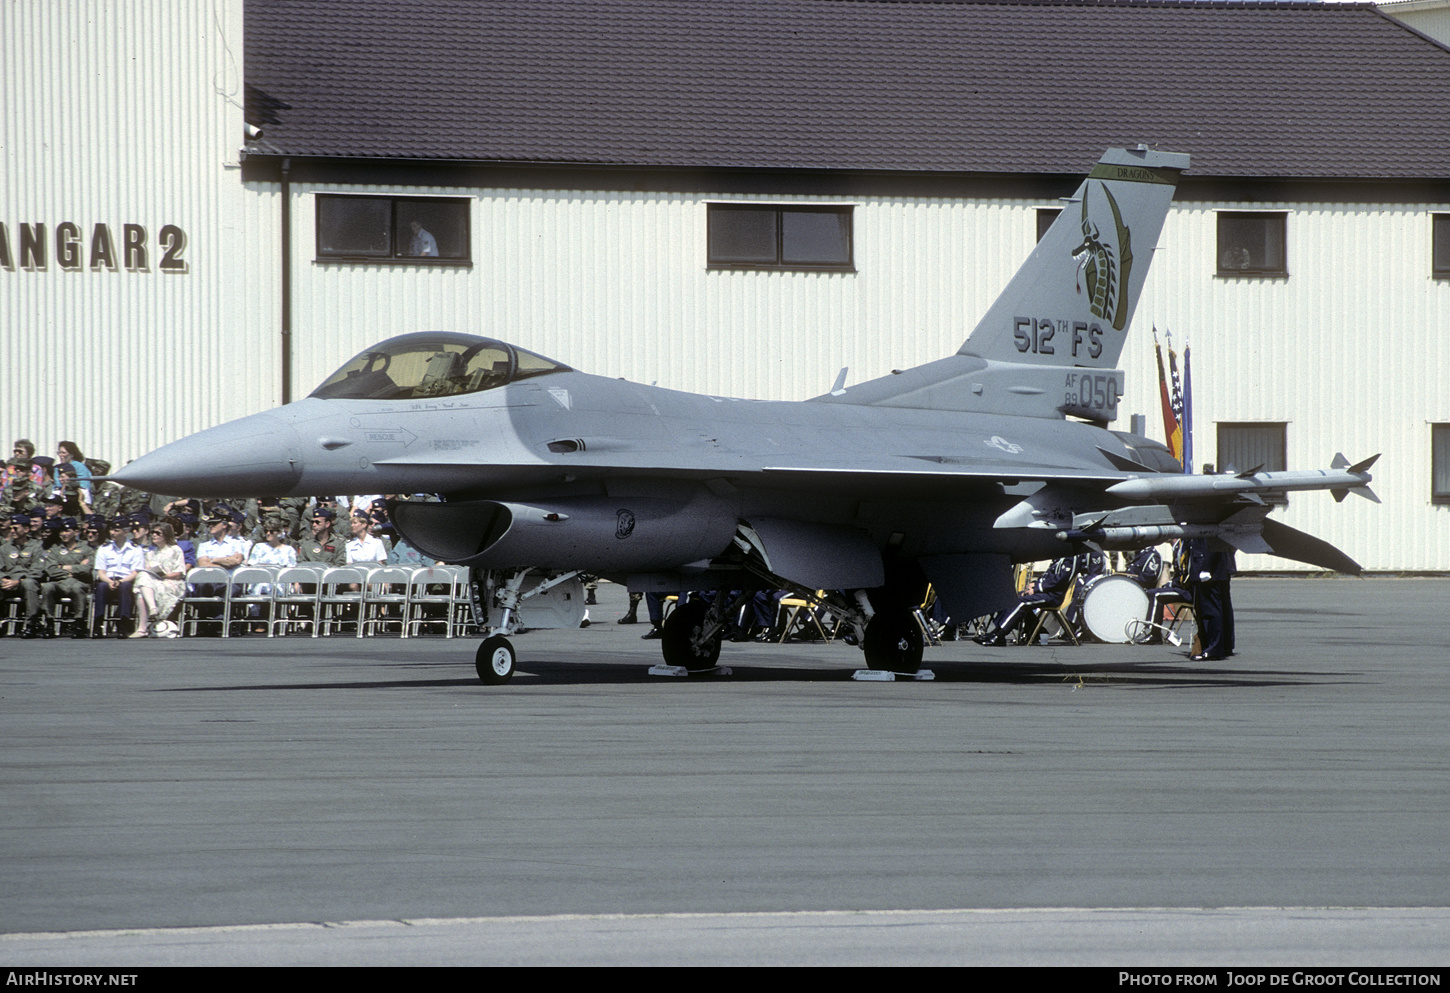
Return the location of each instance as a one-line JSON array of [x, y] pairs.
[[325, 599]]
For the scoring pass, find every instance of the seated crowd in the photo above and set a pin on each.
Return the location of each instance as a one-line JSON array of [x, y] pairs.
[[76, 547], [71, 542]]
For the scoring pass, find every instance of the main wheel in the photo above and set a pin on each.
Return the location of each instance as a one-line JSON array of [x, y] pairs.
[[495, 660], [893, 642], [681, 627]]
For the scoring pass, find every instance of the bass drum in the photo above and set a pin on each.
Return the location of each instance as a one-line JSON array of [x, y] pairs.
[[1111, 605]]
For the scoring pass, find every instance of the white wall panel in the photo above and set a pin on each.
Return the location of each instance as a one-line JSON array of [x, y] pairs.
[[1347, 349], [117, 114]]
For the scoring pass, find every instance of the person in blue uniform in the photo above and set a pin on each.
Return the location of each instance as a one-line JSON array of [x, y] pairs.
[[1049, 589], [1089, 565], [1210, 569]]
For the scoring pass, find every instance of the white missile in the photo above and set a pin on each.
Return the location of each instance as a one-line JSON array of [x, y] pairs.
[[1341, 478]]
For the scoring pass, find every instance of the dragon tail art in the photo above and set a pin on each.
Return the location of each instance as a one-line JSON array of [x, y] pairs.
[[1103, 273]]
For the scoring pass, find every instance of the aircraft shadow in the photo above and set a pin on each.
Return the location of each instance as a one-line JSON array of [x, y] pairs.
[[543, 672]]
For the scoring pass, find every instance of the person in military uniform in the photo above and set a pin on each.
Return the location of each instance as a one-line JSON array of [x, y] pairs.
[[20, 571], [1210, 568], [114, 572], [66, 572], [1049, 589], [20, 489], [184, 524], [321, 546], [270, 509], [114, 500]]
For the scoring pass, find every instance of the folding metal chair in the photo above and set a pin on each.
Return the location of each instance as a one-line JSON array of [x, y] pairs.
[[462, 612], [432, 596], [295, 599], [336, 598], [800, 617], [252, 586], [209, 607], [1058, 611], [385, 599]]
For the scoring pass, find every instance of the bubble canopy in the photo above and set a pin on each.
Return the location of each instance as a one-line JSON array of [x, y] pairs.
[[432, 364]]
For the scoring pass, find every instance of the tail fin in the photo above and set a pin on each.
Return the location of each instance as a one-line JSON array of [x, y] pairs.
[[1065, 313], [1072, 300]]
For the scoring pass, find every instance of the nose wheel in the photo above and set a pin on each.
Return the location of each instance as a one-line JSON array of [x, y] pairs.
[[495, 660]]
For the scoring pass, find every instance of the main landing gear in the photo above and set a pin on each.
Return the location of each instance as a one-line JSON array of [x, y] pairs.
[[893, 642]]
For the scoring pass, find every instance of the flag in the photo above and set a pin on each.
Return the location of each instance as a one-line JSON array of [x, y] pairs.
[[1172, 431], [1176, 397], [1187, 413]]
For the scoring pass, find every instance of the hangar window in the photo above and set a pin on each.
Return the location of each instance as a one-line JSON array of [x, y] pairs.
[[759, 236], [421, 230], [1263, 445], [1045, 217], [1440, 248], [1440, 463], [1252, 244]]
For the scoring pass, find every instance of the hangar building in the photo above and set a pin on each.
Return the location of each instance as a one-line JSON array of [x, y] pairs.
[[208, 206]]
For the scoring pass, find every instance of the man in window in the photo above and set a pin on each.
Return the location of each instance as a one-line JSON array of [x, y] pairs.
[[423, 242]]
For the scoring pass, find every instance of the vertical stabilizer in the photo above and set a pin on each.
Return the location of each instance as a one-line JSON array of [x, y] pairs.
[[1049, 345], [1071, 302]]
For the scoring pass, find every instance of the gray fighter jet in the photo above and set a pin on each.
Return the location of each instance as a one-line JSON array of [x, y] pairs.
[[947, 473]]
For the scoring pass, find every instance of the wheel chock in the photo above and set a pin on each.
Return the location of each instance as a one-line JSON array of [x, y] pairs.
[[679, 671], [887, 676]]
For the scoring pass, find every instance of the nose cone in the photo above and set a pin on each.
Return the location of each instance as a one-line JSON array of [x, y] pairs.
[[253, 456]]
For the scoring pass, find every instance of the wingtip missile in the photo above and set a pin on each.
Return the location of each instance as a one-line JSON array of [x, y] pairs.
[[1169, 487]]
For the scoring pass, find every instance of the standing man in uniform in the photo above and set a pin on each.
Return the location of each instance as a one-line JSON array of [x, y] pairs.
[[1210, 568]]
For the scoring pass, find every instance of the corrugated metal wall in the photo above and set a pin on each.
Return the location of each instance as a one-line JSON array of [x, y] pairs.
[[116, 115], [1348, 350], [617, 284]]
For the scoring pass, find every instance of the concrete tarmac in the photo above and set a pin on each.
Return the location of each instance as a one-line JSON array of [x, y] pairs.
[[254, 781]]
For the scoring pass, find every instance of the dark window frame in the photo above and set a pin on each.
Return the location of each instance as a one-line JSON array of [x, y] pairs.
[[396, 239], [1279, 271], [1439, 444], [1269, 466], [1046, 217], [780, 264], [1440, 246]]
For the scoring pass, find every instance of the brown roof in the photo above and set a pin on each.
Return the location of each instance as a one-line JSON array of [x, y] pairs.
[[1250, 89]]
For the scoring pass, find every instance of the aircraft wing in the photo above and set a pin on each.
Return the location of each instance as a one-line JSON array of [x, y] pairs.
[[918, 473]]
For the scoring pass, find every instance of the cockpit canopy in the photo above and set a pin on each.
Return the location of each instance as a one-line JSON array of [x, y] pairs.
[[432, 364]]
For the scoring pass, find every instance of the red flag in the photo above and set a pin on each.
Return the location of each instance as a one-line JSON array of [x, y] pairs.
[[1172, 431]]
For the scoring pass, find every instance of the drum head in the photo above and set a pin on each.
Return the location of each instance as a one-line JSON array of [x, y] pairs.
[[1110, 605]]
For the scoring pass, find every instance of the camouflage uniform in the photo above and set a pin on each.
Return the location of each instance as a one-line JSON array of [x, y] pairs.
[[59, 581], [20, 561]]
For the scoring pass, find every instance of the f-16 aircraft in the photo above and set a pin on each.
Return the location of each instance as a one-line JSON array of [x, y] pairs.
[[947, 473]]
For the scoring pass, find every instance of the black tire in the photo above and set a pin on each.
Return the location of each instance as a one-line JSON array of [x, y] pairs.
[[893, 642], [686, 620], [495, 660]]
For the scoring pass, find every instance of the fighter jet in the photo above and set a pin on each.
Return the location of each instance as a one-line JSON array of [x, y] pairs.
[[947, 473]]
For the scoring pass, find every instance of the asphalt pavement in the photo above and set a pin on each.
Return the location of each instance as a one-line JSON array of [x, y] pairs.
[[201, 784]]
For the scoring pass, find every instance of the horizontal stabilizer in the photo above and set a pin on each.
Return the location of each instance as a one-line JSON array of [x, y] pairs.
[[1288, 543]]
